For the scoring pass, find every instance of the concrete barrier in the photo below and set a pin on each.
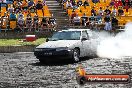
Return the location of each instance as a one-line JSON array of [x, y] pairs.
[[11, 49]]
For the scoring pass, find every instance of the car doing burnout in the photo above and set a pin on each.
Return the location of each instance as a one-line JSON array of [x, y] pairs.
[[71, 43]]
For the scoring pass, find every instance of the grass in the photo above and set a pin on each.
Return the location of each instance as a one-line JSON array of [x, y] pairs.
[[19, 42]]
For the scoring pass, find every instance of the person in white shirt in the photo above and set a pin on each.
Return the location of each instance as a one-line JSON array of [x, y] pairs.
[[77, 20], [11, 9], [2, 1], [114, 12], [69, 4], [20, 22], [101, 12]]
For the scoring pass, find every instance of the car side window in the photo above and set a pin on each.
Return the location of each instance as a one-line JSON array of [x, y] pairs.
[[85, 35]]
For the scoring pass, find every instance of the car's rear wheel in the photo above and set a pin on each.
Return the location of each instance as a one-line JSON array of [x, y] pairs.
[[76, 55]]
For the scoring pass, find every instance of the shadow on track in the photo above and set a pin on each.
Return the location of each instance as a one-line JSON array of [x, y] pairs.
[[60, 62]]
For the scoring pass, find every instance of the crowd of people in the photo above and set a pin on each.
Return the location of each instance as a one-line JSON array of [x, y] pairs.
[[106, 16], [16, 10]]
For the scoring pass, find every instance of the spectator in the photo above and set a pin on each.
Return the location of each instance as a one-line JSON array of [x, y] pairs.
[[24, 4], [19, 2], [21, 22], [29, 22], [95, 1], [39, 5], [108, 25], [107, 11], [77, 20], [73, 2], [73, 15], [112, 3], [86, 3], [31, 3], [52, 22], [11, 9], [20, 14], [126, 7], [114, 22], [84, 19], [79, 3], [2, 1], [114, 12], [98, 19], [44, 23], [93, 12], [101, 12], [12, 16], [123, 2], [120, 11], [36, 22], [69, 5], [17, 9], [4, 20], [75, 6]]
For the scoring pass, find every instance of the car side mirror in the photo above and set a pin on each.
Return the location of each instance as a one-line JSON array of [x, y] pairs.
[[47, 40], [83, 39]]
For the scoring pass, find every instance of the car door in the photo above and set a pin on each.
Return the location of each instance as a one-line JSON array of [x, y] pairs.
[[86, 43]]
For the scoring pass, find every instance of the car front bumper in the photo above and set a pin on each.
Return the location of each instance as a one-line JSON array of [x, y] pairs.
[[53, 54]]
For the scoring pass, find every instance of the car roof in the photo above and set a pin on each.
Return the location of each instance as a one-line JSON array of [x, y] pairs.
[[77, 30]]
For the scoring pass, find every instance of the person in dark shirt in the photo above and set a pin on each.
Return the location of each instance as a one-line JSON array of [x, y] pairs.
[[86, 3], [93, 12], [108, 25], [29, 22], [35, 22], [84, 19], [79, 3], [52, 22], [107, 19], [114, 22], [120, 11], [107, 11], [17, 9], [31, 3], [44, 23], [39, 5], [73, 15]]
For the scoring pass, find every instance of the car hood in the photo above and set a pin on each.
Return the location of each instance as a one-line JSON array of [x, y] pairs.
[[56, 44]]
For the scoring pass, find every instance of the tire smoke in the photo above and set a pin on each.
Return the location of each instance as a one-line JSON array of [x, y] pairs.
[[118, 46]]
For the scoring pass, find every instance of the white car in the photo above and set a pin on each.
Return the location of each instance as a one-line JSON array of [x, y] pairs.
[[72, 43]]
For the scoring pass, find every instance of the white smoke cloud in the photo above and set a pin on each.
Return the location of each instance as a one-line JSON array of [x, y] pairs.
[[117, 46]]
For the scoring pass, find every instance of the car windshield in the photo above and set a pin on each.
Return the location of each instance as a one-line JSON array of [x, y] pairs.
[[66, 35]]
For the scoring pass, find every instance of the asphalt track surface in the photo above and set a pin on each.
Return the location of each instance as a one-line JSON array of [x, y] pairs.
[[23, 70]]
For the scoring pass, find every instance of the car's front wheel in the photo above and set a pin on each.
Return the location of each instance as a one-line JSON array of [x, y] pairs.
[[41, 60], [76, 54]]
